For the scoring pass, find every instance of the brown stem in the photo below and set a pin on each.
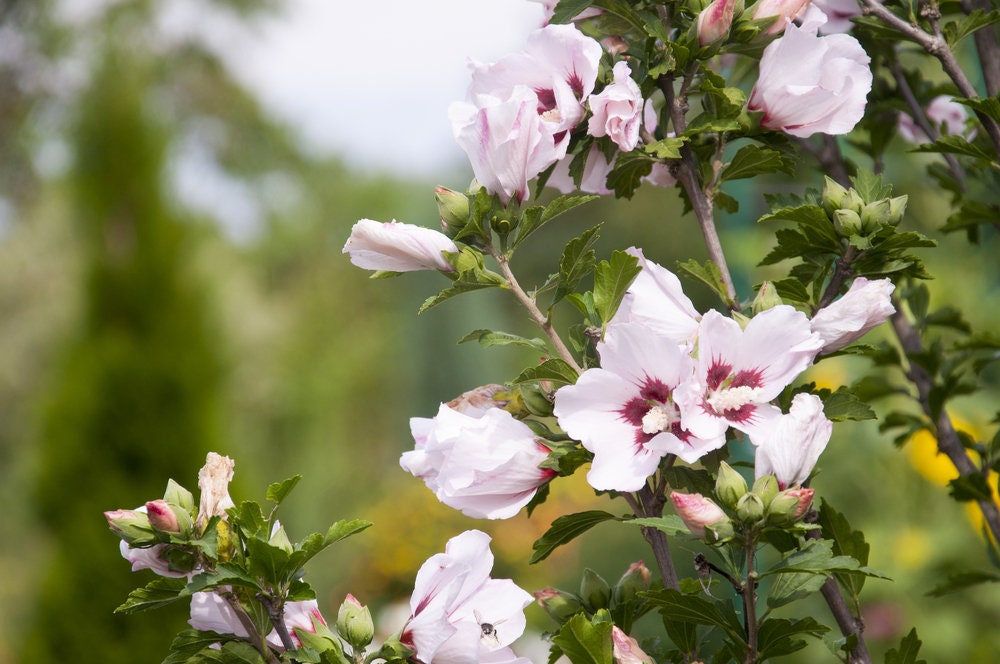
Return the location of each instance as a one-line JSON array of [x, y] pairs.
[[944, 429], [849, 624], [540, 319], [254, 636], [936, 45], [749, 594], [701, 202], [986, 47], [276, 614], [920, 117], [650, 504]]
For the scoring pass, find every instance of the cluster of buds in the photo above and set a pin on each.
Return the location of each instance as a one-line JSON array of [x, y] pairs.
[[739, 506], [854, 216], [595, 594]]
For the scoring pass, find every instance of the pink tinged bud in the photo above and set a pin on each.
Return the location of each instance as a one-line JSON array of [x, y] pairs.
[[130, 525], [161, 516], [626, 650], [213, 480], [696, 511], [714, 21], [805, 497], [780, 10], [398, 247], [791, 446]]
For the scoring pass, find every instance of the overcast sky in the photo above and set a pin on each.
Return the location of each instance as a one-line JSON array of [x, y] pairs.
[[373, 80]]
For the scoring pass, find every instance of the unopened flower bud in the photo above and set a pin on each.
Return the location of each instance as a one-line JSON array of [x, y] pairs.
[[536, 401], [696, 511], [560, 605], [633, 581], [780, 10], [354, 622], [130, 525], [767, 298], [453, 207], [626, 650], [750, 508], [805, 497], [714, 21], [874, 214], [852, 201], [162, 517], [847, 223], [833, 195], [897, 206], [178, 495], [595, 591], [766, 487], [729, 485]]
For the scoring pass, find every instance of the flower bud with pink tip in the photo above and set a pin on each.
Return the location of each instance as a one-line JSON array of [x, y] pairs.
[[696, 511], [626, 650], [714, 21]]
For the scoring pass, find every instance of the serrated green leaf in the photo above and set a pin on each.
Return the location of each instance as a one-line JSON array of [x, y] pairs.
[[844, 404], [190, 642], [565, 529], [466, 282], [956, 31], [845, 542], [969, 488], [566, 10], [314, 543], [611, 280], [972, 213], [708, 273], [691, 480], [908, 649], [670, 524], [696, 610], [958, 581], [584, 642], [278, 491], [627, 174], [554, 371], [952, 144], [535, 217], [775, 636], [153, 595], [488, 338], [753, 160], [578, 259], [667, 148]]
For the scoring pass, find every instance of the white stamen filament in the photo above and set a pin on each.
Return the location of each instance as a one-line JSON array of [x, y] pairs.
[[731, 398], [552, 115], [657, 419]]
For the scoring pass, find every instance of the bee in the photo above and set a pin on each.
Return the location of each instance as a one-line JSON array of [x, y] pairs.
[[488, 631]]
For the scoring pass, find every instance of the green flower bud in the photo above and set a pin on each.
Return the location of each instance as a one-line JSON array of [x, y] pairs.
[[595, 591], [767, 298], [279, 538], [536, 401], [560, 605], [354, 622], [847, 223], [766, 487], [833, 195], [178, 495], [502, 225], [453, 208], [874, 215], [750, 508], [131, 525], [729, 486], [633, 581], [852, 201], [897, 206], [781, 508]]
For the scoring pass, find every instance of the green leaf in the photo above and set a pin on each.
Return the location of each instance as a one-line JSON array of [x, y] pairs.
[[611, 280], [870, 186], [584, 642], [487, 338], [566, 10], [565, 529], [578, 259], [845, 542], [956, 31], [958, 581], [667, 148], [554, 370], [627, 174], [279, 490], [692, 480], [153, 595], [908, 649], [225, 574], [844, 404], [971, 214], [466, 282], [314, 543], [190, 642], [696, 610], [536, 217], [951, 144], [775, 636], [788, 588], [753, 160], [970, 487], [708, 273], [670, 524]]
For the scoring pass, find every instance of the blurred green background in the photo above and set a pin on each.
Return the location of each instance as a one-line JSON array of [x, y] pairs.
[[137, 335]]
